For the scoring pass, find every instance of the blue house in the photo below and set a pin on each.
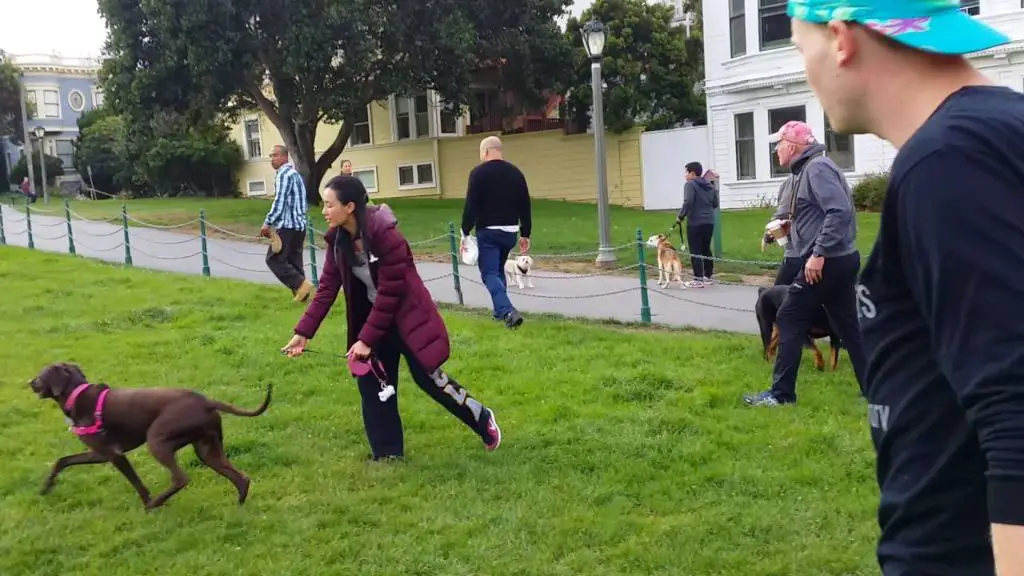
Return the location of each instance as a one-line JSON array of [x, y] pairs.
[[61, 90]]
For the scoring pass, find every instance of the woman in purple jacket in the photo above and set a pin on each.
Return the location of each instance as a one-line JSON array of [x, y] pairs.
[[390, 314]]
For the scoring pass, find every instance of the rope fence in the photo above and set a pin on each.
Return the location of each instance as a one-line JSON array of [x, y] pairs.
[[173, 243]]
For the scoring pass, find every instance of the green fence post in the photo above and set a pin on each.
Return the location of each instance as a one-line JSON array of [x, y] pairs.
[[127, 236], [718, 233], [454, 247], [310, 236], [3, 236], [641, 256], [202, 242], [28, 224], [71, 233]]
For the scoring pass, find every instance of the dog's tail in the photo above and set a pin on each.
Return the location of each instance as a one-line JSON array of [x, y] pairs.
[[223, 407]]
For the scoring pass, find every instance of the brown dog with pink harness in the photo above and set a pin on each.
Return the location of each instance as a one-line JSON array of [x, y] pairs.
[[112, 422]]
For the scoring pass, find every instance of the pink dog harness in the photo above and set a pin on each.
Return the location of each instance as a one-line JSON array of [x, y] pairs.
[[97, 426]]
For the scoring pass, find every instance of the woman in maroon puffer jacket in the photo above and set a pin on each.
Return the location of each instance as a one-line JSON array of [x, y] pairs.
[[390, 313]]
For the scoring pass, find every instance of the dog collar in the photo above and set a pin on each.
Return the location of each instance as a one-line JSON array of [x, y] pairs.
[[520, 268], [97, 425], [70, 402]]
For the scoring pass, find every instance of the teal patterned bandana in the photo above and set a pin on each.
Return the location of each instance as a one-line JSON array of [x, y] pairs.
[[930, 25]]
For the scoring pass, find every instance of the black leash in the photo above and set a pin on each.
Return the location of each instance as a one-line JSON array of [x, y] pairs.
[[678, 226], [374, 367]]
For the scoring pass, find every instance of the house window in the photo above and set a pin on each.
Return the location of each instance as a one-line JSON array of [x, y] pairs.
[[253, 140], [368, 176], [839, 147], [76, 100], [973, 7], [416, 175], [361, 133], [738, 28], [777, 119], [97, 97], [421, 115], [774, 24], [448, 123], [65, 150], [50, 101], [448, 119], [256, 188], [746, 149], [412, 117]]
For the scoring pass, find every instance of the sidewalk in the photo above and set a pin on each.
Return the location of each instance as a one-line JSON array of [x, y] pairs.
[[720, 307]]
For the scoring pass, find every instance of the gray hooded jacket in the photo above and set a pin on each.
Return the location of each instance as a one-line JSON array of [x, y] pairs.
[[699, 203], [825, 223]]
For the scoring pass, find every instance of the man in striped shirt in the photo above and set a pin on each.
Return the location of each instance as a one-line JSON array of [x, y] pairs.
[[287, 219]]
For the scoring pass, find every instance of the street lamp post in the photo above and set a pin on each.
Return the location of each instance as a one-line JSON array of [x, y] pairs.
[[593, 42], [40, 133]]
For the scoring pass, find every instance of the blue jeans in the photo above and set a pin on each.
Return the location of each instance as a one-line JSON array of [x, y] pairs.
[[495, 246]]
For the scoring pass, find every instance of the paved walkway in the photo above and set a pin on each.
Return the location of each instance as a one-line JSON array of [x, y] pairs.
[[721, 307]]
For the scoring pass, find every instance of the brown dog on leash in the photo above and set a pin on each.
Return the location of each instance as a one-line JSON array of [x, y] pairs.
[[114, 422], [769, 300]]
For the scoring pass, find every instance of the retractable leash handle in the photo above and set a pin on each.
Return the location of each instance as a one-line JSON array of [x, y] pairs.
[[363, 367]]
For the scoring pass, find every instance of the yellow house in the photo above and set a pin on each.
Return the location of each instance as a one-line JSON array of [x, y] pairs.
[[412, 147]]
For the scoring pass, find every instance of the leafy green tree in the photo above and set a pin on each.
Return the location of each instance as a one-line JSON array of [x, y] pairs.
[[649, 67], [101, 147], [304, 63], [189, 161], [10, 101]]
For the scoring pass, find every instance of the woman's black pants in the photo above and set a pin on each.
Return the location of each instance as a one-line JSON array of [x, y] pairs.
[[381, 419]]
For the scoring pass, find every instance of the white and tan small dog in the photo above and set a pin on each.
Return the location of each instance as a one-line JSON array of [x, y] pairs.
[[669, 264], [518, 268]]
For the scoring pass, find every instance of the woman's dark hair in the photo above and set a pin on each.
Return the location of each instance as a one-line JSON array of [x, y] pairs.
[[350, 189]]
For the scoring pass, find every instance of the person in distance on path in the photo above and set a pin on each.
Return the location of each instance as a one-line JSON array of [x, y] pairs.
[[940, 296], [390, 314], [700, 199], [498, 206]]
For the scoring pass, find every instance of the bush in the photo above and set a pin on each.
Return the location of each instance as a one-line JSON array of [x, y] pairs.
[[54, 168], [101, 149], [869, 193], [193, 164]]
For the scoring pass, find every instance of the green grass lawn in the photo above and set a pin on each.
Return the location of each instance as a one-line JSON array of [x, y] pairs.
[[626, 451], [559, 227]]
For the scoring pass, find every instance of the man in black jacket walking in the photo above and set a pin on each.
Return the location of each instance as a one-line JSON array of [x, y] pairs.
[[498, 206]]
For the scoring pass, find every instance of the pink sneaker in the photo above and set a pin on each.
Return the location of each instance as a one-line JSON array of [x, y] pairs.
[[493, 431]]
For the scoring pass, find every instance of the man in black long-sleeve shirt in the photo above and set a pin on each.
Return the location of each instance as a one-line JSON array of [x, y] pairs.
[[940, 298], [498, 206]]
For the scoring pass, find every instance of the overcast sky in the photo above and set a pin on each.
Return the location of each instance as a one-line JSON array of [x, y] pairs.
[[70, 27]]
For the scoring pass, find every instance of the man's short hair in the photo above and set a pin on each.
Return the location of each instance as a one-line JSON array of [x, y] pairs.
[[280, 149], [490, 143], [695, 167]]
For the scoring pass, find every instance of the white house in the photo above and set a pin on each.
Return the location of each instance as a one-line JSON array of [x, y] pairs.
[[755, 84]]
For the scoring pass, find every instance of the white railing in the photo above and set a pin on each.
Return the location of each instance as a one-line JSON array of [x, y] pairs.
[[54, 60]]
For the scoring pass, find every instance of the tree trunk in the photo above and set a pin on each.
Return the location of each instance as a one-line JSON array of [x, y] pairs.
[[311, 168], [300, 139]]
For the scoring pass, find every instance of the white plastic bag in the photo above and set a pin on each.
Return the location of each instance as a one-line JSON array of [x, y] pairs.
[[470, 251]]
